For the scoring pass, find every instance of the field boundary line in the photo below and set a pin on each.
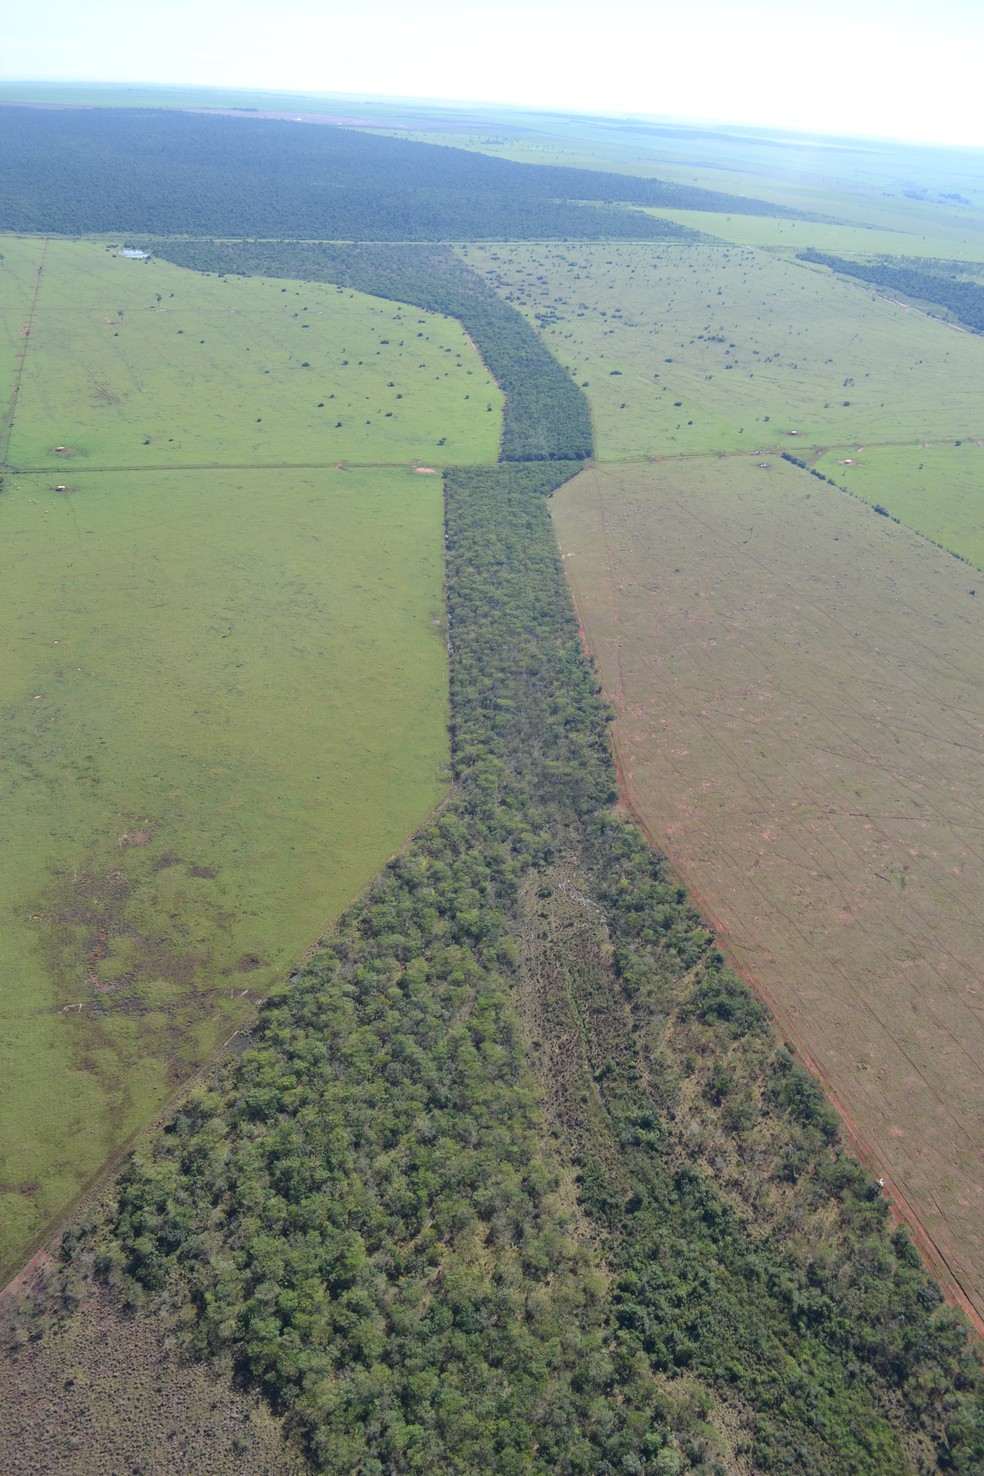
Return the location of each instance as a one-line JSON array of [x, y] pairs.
[[346, 464], [21, 357]]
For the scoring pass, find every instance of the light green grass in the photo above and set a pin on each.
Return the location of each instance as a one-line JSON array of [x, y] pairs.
[[224, 706], [937, 488], [224, 689], [225, 371], [798, 235], [813, 361]]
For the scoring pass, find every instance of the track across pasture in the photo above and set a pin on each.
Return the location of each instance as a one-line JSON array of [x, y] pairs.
[[797, 687]]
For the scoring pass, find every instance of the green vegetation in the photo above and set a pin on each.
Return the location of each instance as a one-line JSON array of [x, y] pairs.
[[185, 807], [703, 349], [18, 269], [364, 1210], [108, 170], [136, 364], [948, 284], [789, 236], [512, 1175], [933, 487], [546, 418], [932, 196]]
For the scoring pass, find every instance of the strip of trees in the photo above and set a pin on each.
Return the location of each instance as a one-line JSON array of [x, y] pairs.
[[944, 284]]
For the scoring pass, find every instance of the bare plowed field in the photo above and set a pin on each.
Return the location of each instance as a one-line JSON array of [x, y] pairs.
[[800, 694]]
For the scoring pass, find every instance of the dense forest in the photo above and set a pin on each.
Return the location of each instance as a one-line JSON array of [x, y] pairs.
[[546, 416], [944, 283], [77, 171]]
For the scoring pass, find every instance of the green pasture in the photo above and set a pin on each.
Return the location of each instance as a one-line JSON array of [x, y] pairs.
[[936, 487], [224, 703], [852, 202], [703, 349], [224, 669], [791, 236], [142, 364]]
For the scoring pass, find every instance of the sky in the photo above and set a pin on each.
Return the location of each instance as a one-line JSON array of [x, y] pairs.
[[903, 69]]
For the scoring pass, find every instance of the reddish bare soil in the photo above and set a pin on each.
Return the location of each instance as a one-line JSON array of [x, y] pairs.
[[799, 726]]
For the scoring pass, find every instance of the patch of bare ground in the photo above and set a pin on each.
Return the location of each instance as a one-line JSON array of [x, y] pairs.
[[107, 1390], [799, 724]]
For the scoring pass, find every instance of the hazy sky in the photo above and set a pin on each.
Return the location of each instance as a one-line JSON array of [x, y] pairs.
[[890, 68]]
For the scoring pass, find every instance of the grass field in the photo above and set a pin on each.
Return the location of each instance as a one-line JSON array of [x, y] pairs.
[[936, 487], [223, 689], [142, 364], [703, 349], [797, 684], [225, 700], [797, 235], [864, 182]]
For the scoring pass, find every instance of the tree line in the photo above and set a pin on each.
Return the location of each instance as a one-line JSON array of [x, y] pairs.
[[940, 283]]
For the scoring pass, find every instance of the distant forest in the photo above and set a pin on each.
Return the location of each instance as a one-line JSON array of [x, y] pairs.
[[546, 416], [934, 282], [76, 171]]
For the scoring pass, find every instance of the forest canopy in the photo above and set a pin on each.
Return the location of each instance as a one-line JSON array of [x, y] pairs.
[[80, 170]]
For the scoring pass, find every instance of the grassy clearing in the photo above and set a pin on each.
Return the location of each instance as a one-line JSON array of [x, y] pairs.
[[797, 235], [934, 487], [876, 203], [794, 680], [696, 350], [141, 364], [127, 1398], [225, 705]]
